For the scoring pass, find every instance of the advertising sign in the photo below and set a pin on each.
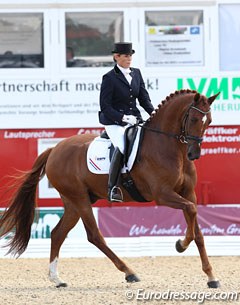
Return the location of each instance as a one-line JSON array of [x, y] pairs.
[[20, 148], [217, 169], [71, 103], [164, 221], [174, 45]]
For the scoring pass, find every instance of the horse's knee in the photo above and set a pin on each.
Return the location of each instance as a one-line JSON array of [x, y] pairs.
[[191, 209]]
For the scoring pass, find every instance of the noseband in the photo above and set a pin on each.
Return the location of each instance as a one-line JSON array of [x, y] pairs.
[[183, 137]]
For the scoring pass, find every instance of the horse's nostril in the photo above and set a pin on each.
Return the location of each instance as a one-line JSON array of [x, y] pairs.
[[192, 156]]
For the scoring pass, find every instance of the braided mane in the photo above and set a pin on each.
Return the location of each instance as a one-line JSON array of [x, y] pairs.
[[169, 99]]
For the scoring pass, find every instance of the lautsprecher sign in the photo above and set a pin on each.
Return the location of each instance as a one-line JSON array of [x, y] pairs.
[[217, 169]]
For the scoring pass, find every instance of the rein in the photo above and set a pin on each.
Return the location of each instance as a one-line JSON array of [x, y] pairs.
[[183, 137]]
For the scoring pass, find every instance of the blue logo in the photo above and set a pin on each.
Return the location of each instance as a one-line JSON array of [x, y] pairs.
[[194, 30]]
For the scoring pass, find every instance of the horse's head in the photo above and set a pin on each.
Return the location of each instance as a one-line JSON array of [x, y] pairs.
[[196, 120], [188, 111]]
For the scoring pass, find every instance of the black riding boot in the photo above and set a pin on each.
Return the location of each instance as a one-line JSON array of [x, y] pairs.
[[114, 191]]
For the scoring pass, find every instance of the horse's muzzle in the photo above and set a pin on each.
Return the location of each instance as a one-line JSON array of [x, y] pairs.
[[194, 151]]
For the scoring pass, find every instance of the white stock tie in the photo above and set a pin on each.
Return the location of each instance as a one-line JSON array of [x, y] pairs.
[[128, 76]]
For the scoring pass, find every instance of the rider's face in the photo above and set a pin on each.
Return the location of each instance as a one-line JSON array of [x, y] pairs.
[[123, 60]]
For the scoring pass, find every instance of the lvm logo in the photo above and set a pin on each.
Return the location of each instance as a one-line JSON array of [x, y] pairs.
[[228, 86]]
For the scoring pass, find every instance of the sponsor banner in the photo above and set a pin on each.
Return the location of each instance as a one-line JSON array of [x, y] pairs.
[[47, 218], [28, 143], [220, 140], [71, 102], [142, 221], [217, 169], [77, 245], [163, 221]]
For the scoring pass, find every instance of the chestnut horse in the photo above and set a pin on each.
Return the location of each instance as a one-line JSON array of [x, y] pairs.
[[166, 174]]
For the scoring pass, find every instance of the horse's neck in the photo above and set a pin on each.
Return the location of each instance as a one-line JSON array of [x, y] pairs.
[[167, 120], [169, 117]]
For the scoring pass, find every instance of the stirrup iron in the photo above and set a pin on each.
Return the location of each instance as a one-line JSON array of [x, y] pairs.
[[117, 192]]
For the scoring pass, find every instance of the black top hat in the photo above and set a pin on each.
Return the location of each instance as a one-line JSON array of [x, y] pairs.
[[123, 48]]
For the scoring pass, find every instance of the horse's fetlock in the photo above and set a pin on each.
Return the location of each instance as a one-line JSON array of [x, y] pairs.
[[207, 269]]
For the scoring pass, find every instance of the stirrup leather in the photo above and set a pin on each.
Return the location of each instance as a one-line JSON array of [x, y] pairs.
[[116, 194]]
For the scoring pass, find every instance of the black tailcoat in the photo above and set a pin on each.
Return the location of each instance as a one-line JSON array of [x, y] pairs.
[[118, 97]]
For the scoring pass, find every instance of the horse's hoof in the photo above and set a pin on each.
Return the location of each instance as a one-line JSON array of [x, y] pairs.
[[132, 278], [213, 284], [179, 247], [61, 285]]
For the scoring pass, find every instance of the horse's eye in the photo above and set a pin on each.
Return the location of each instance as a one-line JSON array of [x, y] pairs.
[[194, 120]]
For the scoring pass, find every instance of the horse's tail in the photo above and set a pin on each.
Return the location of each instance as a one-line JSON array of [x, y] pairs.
[[19, 217]]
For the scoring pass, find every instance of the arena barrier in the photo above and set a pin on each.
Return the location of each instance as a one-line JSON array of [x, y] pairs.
[[138, 231]]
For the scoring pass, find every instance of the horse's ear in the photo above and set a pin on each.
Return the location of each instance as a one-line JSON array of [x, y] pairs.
[[196, 97], [211, 99]]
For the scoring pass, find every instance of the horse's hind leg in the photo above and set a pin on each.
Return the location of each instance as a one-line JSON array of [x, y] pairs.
[[206, 267], [95, 237], [58, 235]]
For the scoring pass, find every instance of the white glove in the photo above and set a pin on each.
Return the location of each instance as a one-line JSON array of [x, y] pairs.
[[129, 119]]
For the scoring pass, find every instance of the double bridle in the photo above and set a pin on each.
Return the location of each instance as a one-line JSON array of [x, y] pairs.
[[183, 137]]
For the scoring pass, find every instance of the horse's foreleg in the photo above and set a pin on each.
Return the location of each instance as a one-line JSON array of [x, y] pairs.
[[182, 245], [53, 274], [95, 237], [58, 235], [174, 200], [206, 267]]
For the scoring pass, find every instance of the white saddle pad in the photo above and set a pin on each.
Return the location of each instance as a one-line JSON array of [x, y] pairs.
[[98, 160]]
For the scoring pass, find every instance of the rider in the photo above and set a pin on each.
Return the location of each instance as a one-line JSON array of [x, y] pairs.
[[120, 88]]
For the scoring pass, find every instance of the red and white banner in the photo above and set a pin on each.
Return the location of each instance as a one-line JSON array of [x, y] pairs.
[[217, 169]]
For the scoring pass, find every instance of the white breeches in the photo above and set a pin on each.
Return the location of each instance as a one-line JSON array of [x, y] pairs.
[[116, 134]]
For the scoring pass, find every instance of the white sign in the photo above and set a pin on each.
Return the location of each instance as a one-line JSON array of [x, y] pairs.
[[74, 103], [174, 45]]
